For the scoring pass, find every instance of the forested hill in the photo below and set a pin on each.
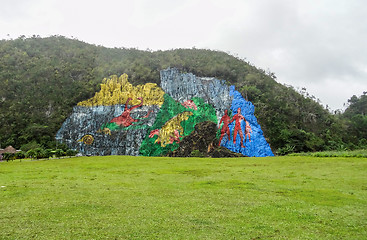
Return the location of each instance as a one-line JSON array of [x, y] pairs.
[[41, 79]]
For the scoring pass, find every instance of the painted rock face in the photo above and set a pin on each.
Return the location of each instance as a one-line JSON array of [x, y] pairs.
[[150, 120]]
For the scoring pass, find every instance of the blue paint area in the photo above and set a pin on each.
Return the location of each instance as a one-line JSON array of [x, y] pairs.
[[258, 147]]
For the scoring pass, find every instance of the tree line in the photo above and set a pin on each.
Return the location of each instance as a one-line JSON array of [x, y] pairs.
[[39, 153], [42, 79]]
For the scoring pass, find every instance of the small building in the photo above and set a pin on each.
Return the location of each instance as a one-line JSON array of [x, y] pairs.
[[8, 149]]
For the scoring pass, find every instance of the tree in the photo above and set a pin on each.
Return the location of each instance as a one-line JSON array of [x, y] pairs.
[[28, 146], [355, 117], [42, 79]]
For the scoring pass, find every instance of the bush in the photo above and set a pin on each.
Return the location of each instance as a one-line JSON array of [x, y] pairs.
[[31, 154], [39, 153], [62, 146], [47, 153], [20, 155], [362, 143], [59, 153], [288, 149], [70, 153], [197, 153], [8, 156]]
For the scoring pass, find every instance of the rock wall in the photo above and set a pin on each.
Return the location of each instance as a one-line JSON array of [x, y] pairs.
[[148, 120], [87, 123], [185, 86], [253, 141]]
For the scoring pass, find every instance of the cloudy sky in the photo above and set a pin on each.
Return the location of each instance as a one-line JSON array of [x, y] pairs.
[[317, 44]]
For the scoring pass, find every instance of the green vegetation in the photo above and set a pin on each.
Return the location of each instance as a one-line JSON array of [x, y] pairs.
[[42, 79], [124, 197], [169, 110], [40, 153], [354, 153], [356, 117]]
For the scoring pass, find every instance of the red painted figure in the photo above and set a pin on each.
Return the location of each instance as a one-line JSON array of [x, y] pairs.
[[125, 119], [247, 131], [237, 128], [225, 129], [190, 104]]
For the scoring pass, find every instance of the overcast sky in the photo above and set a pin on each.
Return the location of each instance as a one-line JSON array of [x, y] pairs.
[[317, 44]]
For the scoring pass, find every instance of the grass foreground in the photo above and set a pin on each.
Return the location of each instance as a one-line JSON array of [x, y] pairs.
[[361, 153], [124, 197]]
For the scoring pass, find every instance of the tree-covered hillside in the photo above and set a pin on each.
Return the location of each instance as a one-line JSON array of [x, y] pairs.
[[356, 117], [41, 80]]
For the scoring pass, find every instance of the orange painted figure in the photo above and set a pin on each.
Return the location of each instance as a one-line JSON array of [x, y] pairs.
[[125, 119], [225, 129], [237, 128], [248, 129]]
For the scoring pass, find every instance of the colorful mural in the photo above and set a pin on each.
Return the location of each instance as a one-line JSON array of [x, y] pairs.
[[87, 139], [173, 122], [225, 129], [152, 121], [170, 131], [244, 123], [118, 90], [125, 119]]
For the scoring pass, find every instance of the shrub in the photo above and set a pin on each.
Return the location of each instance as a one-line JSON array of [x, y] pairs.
[[70, 153], [31, 154], [59, 153], [20, 155], [47, 153], [197, 153], [285, 150], [39, 153], [8, 156]]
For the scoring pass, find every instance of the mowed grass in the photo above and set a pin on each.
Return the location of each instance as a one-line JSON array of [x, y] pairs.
[[124, 197]]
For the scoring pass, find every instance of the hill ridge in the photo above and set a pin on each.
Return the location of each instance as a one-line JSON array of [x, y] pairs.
[[43, 78]]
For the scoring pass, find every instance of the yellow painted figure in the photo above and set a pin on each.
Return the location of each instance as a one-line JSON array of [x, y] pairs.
[[171, 130], [117, 90], [106, 131], [87, 139]]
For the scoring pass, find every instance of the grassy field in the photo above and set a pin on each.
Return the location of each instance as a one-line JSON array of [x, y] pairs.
[[361, 153], [122, 197]]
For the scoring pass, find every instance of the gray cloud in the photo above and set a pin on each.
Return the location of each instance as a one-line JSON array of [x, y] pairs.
[[317, 44]]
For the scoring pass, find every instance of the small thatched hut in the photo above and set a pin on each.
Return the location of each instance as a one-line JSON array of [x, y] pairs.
[[8, 149]]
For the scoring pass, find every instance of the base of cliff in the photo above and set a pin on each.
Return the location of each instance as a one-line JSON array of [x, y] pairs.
[[203, 142]]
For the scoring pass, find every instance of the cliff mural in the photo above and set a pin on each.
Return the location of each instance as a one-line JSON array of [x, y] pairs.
[[149, 120], [173, 122]]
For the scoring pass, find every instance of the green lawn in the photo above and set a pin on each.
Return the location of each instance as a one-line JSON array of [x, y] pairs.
[[123, 197]]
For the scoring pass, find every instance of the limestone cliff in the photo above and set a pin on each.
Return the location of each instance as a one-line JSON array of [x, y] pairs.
[[185, 86], [152, 121]]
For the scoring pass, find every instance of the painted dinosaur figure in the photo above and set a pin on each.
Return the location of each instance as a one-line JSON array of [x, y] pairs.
[[171, 130], [125, 119], [175, 137]]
